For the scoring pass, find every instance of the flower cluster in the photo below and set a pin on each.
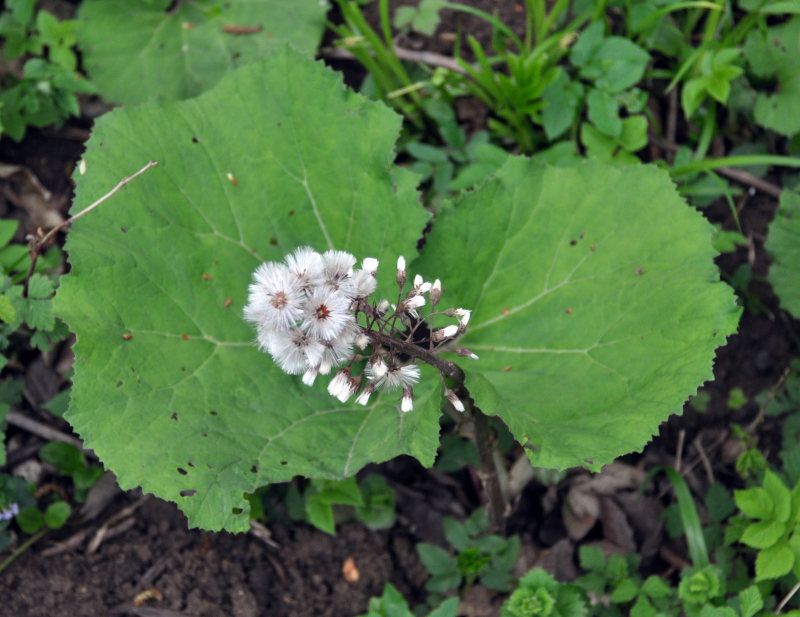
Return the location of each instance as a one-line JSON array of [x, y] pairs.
[[306, 311]]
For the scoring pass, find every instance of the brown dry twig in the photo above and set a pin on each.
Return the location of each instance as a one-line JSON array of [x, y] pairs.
[[773, 392], [42, 430], [410, 55], [105, 529], [39, 242]]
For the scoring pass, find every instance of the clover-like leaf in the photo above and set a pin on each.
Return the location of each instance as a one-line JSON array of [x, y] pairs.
[[783, 245], [140, 49], [593, 319], [169, 388]]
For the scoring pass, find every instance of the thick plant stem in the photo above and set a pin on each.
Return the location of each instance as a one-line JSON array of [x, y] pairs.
[[483, 437], [491, 482]]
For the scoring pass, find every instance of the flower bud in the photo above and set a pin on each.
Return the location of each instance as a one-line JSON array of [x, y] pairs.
[[407, 402], [466, 353], [454, 400], [443, 333], [401, 271], [370, 264], [436, 292]]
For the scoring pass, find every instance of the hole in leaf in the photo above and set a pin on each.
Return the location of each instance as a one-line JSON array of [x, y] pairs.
[[188, 492], [214, 413], [174, 416], [119, 384], [284, 462], [236, 511], [254, 469], [190, 463], [273, 241], [182, 471], [195, 140]]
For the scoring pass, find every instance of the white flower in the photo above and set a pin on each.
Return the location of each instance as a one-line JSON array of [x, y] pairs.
[[342, 386], [306, 265], [338, 266], [338, 349], [383, 307], [363, 398], [362, 340], [362, 284], [463, 316], [414, 302], [294, 351], [370, 264], [376, 370], [396, 376], [420, 286], [275, 299], [327, 312], [407, 402], [310, 376]]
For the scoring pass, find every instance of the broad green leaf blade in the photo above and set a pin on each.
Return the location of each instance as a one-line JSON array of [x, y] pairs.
[[783, 245], [187, 403], [596, 304], [135, 50]]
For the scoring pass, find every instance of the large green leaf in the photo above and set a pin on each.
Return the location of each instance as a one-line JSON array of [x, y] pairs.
[[783, 245], [140, 49], [187, 402], [596, 304], [773, 53]]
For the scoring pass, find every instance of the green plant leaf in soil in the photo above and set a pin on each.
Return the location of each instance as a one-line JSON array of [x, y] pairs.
[[772, 54], [783, 245], [593, 319], [140, 49], [169, 388]]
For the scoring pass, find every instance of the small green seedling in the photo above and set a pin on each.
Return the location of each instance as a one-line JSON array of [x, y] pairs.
[[488, 558]]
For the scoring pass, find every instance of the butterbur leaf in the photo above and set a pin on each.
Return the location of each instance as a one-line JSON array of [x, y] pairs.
[[170, 390], [159, 49], [783, 244], [592, 324]]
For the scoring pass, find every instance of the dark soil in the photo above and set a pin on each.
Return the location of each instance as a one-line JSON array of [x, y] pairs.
[[150, 564]]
